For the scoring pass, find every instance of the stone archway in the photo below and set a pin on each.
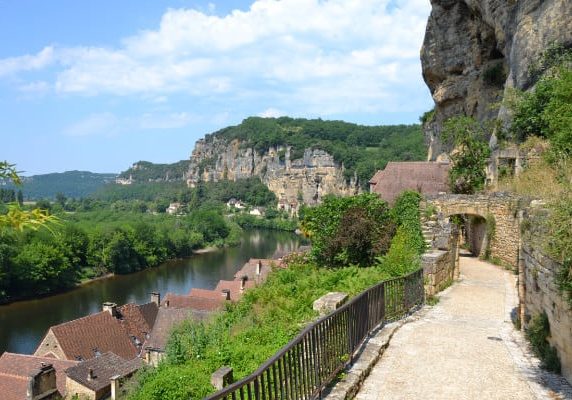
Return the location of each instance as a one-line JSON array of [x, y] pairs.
[[494, 230]]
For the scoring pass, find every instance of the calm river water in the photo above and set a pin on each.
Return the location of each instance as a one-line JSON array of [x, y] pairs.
[[23, 324]]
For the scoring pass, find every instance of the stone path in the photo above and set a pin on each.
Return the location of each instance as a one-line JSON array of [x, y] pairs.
[[463, 348]]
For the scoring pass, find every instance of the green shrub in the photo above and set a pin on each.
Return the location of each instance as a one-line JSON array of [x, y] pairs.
[[537, 334], [467, 175]]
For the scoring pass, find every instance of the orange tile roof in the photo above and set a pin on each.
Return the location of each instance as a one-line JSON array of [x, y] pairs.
[[426, 177], [192, 302], [83, 338], [138, 320], [234, 287], [249, 269], [206, 294], [15, 371]]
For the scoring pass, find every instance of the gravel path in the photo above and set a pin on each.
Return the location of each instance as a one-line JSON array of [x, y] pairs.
[[465, 347]]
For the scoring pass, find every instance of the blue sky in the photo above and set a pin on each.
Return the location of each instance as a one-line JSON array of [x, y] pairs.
[[99, 85]]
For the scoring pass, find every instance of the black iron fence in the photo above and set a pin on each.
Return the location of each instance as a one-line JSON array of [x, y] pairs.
[[306, 365]]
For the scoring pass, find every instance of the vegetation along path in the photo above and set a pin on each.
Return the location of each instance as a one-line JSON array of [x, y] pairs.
[[465, 347]]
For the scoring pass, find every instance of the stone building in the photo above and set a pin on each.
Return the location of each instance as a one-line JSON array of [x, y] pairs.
[[99, 377], [31, 377], [121, 330]]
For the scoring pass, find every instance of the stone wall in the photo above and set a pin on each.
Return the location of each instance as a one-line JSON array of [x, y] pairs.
[[504, 244], [541, 292], [50, 345], [441, 260]]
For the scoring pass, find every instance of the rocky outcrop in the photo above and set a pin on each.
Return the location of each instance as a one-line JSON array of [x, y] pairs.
[[305, 179], [474, 50]]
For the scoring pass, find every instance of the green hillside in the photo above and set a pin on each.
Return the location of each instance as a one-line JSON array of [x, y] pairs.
[[145, 171], [362, 149], [71, 183]]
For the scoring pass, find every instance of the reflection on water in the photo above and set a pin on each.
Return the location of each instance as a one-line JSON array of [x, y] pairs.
[[23, 324]]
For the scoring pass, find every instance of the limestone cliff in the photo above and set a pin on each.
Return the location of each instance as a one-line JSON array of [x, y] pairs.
[[474, 50], [305, 179]]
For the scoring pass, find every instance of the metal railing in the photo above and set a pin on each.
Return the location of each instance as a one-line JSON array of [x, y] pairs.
[[306, 365]]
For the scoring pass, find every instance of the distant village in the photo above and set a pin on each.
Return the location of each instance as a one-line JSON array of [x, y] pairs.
[[90, 357]]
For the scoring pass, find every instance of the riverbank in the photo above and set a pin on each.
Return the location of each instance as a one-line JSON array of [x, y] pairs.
[[25, 322]]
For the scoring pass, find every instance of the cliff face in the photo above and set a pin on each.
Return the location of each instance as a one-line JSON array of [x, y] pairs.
[[474, 50], [305, 179]]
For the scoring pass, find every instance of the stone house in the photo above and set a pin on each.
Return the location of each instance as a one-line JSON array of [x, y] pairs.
[[121, 330], [428, 178], [30, 377], [99, 377]]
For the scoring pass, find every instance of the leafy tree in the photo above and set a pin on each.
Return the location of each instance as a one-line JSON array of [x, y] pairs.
[[20, 198], [336, 234], [467, 175], [43, 268]]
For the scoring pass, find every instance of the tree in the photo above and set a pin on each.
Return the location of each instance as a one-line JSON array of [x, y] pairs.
[[19, 219], [348, 230], [467, 175], [61, 199], [20, 198]]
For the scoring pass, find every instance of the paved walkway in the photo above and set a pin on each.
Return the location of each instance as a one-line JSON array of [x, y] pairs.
[[462, 348]]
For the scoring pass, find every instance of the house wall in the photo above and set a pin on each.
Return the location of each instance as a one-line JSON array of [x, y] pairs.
[[74, 388], [50, 345]]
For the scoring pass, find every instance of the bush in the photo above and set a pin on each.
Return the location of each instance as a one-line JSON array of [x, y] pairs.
[[336, 229], [537, 334]]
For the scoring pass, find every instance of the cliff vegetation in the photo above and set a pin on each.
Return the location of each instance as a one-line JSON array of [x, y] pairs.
[[361, 149]]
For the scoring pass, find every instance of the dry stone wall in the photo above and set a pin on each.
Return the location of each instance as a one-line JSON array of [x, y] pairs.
[[541, 293]]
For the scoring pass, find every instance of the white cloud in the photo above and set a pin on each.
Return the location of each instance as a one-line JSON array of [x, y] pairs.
[[42, 59], [329, 56], [108, 124], [271, 113]]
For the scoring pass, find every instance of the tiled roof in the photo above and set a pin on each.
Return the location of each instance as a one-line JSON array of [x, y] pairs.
[[138, 320], [84, 338], [206, 294], [249, 269], [103, 367], [15, 371], [234, 287], [426, 177], [191, 302], [167, 318]]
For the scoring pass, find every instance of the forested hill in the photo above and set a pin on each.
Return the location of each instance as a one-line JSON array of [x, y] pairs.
[[145, 171], [70, 183], [360, 148]]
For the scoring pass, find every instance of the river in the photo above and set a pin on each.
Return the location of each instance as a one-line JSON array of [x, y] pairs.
[[23, 324]]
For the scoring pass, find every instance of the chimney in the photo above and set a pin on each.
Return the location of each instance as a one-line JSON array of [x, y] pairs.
[[156, 298], [243, 280], [42, 383], [226, 294], [90, 375], [115, 384], [258, 267], [110, 308]]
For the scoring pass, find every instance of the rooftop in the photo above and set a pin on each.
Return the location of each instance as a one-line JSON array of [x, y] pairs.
[[426, 177], [192, 302], [103, 368], [167, 319], [85, 338], [16, 369]]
